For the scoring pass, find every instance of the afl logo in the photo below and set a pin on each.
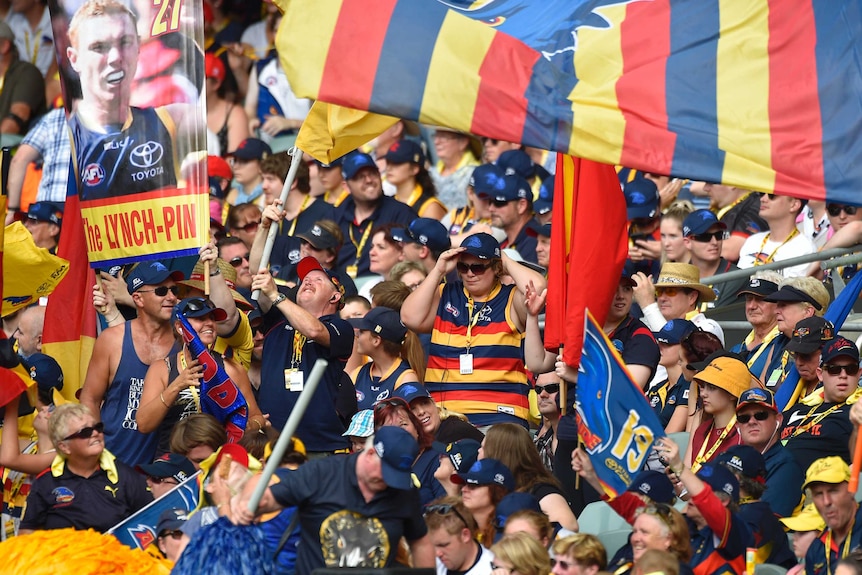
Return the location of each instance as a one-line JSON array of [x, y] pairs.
[[94, 174], [146, 155]]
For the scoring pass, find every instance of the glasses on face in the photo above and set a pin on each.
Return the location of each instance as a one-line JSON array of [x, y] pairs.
[[803, 356], [476, 269], [642, 222], [758, 415], [250, 227], [446, 510], [197, 304], [669, 291], [490, 142], [707, 236], [394, 402], [237, 261], [162, 291], [158, 480], [86, 432], [175, 534], [549, 388], [835, 369], [499, 203], [835, 209], [565, 565]]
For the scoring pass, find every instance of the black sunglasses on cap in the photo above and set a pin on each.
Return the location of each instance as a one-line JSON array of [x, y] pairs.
[[196, 304], [86, 432], [445, 510]]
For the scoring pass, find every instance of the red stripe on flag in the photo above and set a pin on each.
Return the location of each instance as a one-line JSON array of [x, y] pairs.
[[645, 43], [364, 44], [796, 130], [501, 107]]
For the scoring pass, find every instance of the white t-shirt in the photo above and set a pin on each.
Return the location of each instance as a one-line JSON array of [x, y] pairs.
[[482, 566], [760, 247]]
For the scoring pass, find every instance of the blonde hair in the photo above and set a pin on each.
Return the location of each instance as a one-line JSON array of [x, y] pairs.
[[524, 553], [95, 8], [584, 548], [58, 423]]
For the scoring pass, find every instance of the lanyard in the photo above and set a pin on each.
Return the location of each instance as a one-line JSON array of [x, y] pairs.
[[771, 256], [817, 419], [726, 209], [35, 45], [301, 209], [298, 343], [361, 245], [414, 195], [472, 319], [773, 333], [701, 458], [843, 552]]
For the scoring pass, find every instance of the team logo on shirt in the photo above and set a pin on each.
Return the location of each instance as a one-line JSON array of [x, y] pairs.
[[94, 174], [348, 539], [452, 309], [63, 496]]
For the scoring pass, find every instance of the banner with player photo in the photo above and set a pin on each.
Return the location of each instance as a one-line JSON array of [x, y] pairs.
[[132, 73]]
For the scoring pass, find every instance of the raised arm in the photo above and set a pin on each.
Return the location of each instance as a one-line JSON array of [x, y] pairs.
[[10, 451], [301, 320], [538, 360], [523, 277], [220, 292], [420, 307]]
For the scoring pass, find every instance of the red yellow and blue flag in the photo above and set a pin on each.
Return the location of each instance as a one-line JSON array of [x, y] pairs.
[[763, 94]]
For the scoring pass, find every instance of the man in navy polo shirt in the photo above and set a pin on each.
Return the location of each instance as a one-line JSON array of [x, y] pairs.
[[297, 334], [365, 208], [512, 211], [353, 510], [423, 240], [704, 235]]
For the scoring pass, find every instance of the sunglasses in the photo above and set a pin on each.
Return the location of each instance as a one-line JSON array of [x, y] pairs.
[[549, 388], [490, 141], [758, 415], [670, 291], [249, 227], [499, 203], [707, 236], [162, 291], [197, 304], [476, 269], [175, 534], [835, 209], [660, 510], [565, 565], [835, 369], [394, 402], [86, 432], [803, 356], [446, 510], [158, 480], [237, 261]]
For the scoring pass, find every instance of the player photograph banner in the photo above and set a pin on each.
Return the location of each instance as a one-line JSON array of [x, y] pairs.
[[132, 73]]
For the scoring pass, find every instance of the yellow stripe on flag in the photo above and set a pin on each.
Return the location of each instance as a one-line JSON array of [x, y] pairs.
[[566, 170], [306, 28], [74, 359], [330, 131]]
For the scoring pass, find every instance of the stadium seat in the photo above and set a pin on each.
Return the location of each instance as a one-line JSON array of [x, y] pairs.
[[598, 517], [614, 540], [769, 569], [681, 439]]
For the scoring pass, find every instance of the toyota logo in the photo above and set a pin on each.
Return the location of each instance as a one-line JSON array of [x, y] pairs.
[[146, 155]]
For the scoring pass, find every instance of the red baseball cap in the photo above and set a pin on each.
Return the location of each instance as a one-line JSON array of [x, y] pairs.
[[218, 167], [214, 67]]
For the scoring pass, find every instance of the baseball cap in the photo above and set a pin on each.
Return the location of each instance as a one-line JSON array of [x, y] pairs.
[[410, 391], [51, 212], [653, 484], [642, 199], [355, 161], [673, 331], [425, 232], [169, 465], [719, 478], [745, 460], [788, 293], [308, 264], [699, 221], [545, 202], [487, 472], [512, 503], [487, 180], [757, 396], [171, 520], [320, 238], [627, 273], [481, 245], [219, 168], [758, 287], [6, 31], [397, 450], [810, 334], [199, 307], [514, 188], [252, 149], [727, 373], [516, 163], [45, 371], [214, 67], [405, 152], [700, 365], [838, 347], [463, 453], [150, 273], [827, 470], [807, 519], [382, 321], [361, 424]]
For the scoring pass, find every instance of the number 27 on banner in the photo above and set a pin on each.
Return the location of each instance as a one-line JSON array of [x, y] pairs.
[[164, 23], [634, 442]]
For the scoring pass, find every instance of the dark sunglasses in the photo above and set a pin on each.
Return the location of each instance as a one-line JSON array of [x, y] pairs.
[[162, 291], [565, 565], [477, 269], [86, 432], [835, 209], [197, 304], [642, 222], [490, 141], [250, 227], [803, 356], [237, 261], [835, 369], [446, 510], [162, 480], [661, 510], [548, 388], [707, 236], [758, 415], [175, 534], [499, 203], [394, 402]]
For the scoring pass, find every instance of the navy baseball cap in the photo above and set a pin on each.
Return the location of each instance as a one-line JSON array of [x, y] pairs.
[[405, 152], [51, 212], [699, 221], [839, 347], [487, 472], [512, 503], [487, 180], [150, 273], [516, 163], [642, 199], [545, 201], [252, 149], [199, 307], [483, 246], [514, 188], [425, 232], [45, 371], [810, 334], [397, 450], [308, 264], [336, 163], [462, 453], [758, 287], [654, 485], [320, 238], [788, 293], [171, 520], [673, 331], [355, 161], [173, 465], [410, 391], [719, 478], [382, 321], [745, 460]]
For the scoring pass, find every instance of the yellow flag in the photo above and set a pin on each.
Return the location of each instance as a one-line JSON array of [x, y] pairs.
[[29, 272], [331, 131]]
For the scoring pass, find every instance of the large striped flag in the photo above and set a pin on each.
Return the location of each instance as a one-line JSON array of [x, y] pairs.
[[763, 94], [588, 250]]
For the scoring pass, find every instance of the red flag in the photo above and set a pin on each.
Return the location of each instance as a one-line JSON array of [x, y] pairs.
[[588, 251]]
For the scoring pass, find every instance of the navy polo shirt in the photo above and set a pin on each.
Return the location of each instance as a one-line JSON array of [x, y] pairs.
[[639, 347], [525, 244], [321, 428], [285, 250], [784, 479], [338, 527], [389, 210]]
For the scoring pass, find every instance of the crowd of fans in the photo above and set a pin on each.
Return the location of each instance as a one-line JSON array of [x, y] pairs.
[[416, 266]]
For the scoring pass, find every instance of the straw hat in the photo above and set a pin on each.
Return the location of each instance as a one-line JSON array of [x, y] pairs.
[[196, 281], [674, 274]]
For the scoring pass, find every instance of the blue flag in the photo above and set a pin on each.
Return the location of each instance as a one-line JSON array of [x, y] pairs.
[[615, 422]]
